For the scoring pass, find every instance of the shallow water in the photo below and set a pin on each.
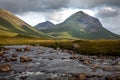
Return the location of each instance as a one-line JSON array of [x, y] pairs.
[[55, 63]]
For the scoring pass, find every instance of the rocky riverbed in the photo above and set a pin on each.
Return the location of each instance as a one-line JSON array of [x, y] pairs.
[[29, 62]]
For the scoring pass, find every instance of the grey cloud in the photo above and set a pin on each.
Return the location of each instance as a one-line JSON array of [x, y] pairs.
[[46, 5], [106, 12], [32, 5], [112, 24]]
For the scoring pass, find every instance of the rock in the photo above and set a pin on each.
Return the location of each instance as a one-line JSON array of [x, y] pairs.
[[81, 76], [72, 78], [7, 59], [2, 53], [27, 48], [108, 78], [107, 68], [86, 62], [95, 66], [74, 57], [5, 68], [25, 59], [14, 55], [19, 50], [116, 63], [27, 66], [81, 59], [2, 78], [115, 76], [13, 59], [41, 52]]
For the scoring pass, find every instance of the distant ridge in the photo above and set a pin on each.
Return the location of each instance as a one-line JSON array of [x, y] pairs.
[[11, 26], [81, 26], [45, 25]]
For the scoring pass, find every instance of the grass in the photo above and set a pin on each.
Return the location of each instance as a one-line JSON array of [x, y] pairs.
[[86, 47]]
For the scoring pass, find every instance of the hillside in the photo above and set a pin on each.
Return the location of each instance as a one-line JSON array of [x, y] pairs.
[[12, 26], [45, 25], [81, 26]]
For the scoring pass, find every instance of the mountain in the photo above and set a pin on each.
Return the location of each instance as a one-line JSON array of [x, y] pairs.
[[81, 26], [44, 25], [11, 26]]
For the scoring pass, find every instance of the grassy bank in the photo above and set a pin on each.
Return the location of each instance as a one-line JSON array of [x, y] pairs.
[[89, 47]]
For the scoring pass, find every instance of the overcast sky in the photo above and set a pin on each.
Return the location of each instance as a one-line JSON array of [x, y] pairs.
[[56, 11]]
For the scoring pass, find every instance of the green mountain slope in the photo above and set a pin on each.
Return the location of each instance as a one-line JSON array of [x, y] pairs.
[[81, 26], [12, 26]]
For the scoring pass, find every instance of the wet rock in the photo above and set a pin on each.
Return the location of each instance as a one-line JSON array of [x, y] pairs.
[[2, 78], [107, 68], [81, 76], [81, 59], [72, 78], [13, 59], [116, 63], [23, 78], [14, 55], [115, 76], [74, 57], [19, 49], [27, 66], [27, 48], [95, 66], [108, 78], [41, 53], [2, 53], [25, 59], [7, 59], [86, 62], [5, 68]]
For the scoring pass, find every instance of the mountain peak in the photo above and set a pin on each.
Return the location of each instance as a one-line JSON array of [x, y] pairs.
[[44, 25]]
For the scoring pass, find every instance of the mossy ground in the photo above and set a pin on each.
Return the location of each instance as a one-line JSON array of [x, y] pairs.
[[86, 47]]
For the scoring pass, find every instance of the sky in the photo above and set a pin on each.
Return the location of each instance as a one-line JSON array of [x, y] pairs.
[[56, 11]]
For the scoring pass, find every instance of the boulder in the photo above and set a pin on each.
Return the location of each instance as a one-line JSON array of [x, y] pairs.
[[86, 62], [81, 76], [5, 68], [11, 59], [74, 57], [27, 49], [14, 55], [95, 66], [19, 50], [25, 59], [2, 53]]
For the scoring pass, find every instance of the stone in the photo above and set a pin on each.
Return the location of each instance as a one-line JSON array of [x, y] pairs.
[[41, 52], [25, 59], [14, 55], [86, 62], [19, 50], [74, 57], [95, 66], [108, 68], [13, 59], [81, 76], [2, 53], [5, 68], [2, 78], [7, 59], [27, 48]]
